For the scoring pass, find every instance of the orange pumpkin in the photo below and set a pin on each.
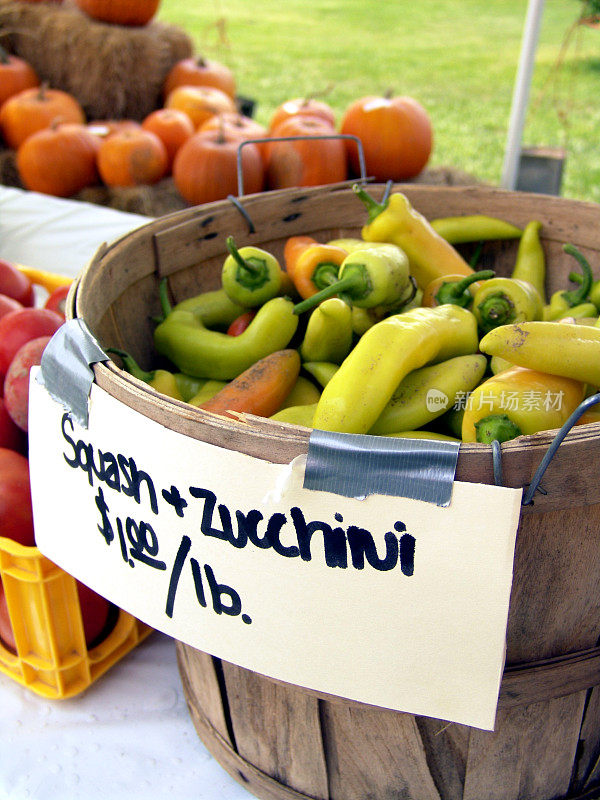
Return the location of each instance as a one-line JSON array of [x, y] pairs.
[[236, 127], [200, 102], [205, 168], [120, 12], [132, 157], [16, 74], [200, 72], [307, 162], [106, 127], [396, 136], [172, 127], [302, 106], [59, 160], [33, 109]]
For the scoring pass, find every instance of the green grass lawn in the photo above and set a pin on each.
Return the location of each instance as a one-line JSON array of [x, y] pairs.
[[458, 58]]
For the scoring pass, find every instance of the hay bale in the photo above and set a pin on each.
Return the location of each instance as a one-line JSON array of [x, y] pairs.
[[9, 174], [152, 201], [114, 71]]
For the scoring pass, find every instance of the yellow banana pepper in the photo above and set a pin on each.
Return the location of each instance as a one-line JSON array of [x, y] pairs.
[[519, 401], [426, 393], [429, 254], [572, 351], [360, 389]]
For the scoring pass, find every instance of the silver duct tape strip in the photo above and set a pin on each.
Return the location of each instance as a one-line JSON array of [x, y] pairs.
[[65, 369], [359, 465]]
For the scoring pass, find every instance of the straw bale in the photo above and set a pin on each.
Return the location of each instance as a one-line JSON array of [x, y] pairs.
[[152, 201], [9, 174], [114, 71]]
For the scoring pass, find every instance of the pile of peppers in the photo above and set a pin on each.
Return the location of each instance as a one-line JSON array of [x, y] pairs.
[[393, 333]]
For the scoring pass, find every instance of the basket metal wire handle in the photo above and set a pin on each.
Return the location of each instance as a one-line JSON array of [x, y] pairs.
[[347, 136], [534, 486]]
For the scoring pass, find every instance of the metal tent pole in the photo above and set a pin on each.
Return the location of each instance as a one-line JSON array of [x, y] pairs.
[[521, 93]]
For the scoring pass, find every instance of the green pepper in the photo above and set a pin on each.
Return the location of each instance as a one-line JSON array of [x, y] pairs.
[[426, 393], [530, 264], [474, 228], [296, 415], [208, 390], [328, 334], [194, 349], [501, 301], [303, 393], [396, 221], [322, 371], [374, 276], [356, 395], [214, 308], [161, 380], [188, 385], [250, 276], [562, 302]]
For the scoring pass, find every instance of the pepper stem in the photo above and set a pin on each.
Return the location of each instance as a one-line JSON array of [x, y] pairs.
[[456, 291], [165, 303], [497, 427], [355, 280], [576, 296], [244, 263], [374, 208], [497, 309], [131, 365]]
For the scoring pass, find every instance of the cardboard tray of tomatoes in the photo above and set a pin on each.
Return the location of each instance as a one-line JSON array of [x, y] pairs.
[[57, 636]]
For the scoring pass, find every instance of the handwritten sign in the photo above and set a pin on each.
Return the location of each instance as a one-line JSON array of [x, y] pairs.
[[393, 602]]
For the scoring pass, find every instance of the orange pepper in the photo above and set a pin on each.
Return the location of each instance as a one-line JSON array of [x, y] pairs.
[[294, 246], [317, 266]]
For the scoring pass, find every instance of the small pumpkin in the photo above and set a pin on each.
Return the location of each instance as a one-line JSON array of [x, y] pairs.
[[16, 74], [305, 162], [120, 12], [302, 106], [106, 127], [237, 127], [33, 109], [172, 127], [132, 157], [200, 71], [206, 167], [59, 160], [396, 135], [200, 102]]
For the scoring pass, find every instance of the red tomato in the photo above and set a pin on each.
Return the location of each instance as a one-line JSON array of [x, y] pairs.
[[7, 636], [95, 612], [19, 327], [16, 382], [9, 304], [15, 284], [16, 513], [57, 300], [11, 436], [240, 324]]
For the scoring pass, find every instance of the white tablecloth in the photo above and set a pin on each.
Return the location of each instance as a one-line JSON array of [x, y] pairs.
[[129, 735]]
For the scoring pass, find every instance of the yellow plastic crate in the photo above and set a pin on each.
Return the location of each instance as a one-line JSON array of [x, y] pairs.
[[52, 658]]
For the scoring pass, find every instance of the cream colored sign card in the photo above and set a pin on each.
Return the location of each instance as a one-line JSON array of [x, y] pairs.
[[393, 602]]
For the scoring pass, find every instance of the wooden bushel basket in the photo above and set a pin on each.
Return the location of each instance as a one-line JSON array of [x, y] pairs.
[[285, 742]]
